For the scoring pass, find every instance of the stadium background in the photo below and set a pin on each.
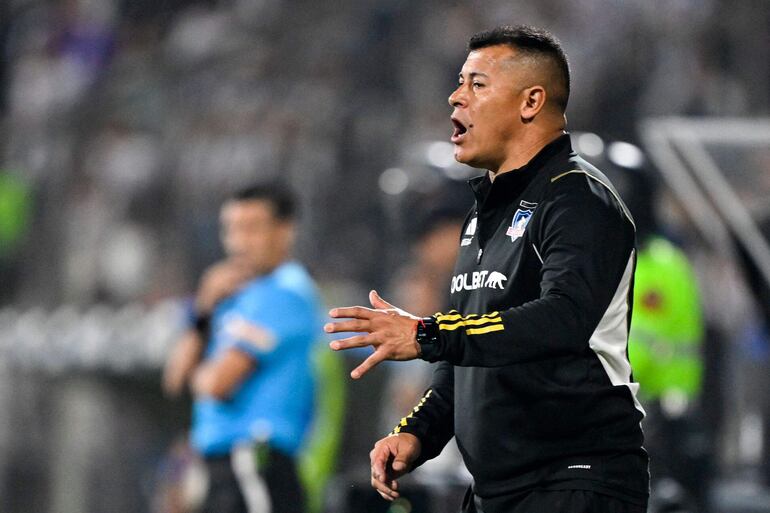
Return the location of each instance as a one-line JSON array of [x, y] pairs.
[[123, 124]]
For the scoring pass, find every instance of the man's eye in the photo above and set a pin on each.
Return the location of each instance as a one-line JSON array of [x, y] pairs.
[[478, 84]]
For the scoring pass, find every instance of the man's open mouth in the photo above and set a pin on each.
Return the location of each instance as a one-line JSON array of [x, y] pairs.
[[459, 131]]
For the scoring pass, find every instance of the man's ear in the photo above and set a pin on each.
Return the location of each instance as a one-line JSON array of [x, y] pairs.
[[532, 103]]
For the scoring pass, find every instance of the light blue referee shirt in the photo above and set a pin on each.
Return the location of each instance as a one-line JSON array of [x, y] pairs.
[[276, 318]]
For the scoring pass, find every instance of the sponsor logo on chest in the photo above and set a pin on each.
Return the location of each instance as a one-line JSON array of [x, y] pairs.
[[477, 280]]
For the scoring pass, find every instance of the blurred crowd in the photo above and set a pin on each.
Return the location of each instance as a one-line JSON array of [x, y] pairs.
[[124, 124]]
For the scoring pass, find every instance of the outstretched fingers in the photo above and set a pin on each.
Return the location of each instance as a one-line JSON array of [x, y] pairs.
[[352, 312], [376, 357], [356, 325], [350, 342]]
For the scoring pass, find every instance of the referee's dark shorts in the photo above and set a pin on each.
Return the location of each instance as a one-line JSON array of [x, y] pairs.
[[253, 479], [550, 501]]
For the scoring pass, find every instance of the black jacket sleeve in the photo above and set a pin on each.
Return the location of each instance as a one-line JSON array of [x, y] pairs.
[[585, 239], [432, 420]]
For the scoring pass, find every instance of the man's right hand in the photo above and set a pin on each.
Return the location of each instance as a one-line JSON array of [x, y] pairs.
[[219, 281], [391, 458]]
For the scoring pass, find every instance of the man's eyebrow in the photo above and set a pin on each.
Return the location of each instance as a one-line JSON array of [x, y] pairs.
[[473, 74]]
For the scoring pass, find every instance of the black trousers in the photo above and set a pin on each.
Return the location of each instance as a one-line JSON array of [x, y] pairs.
[[254, 479], [550, 501]]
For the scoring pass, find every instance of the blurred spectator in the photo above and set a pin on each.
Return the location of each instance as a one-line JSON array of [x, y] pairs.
[[319, 456], [15, 213], [183, 84]]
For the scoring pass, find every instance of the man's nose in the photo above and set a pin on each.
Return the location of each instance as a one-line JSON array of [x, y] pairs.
[[457, 98]]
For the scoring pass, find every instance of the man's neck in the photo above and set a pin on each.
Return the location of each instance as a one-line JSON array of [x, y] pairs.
[[523, 152]]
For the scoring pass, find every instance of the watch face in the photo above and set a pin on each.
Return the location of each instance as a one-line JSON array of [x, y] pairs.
[[427, 339], [425, 333]]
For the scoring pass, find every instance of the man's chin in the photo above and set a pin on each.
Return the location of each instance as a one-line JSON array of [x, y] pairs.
[[246, 264], [464, 157], [460, 155]]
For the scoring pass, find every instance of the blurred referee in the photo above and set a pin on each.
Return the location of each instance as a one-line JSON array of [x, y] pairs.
[[247, 359], [533, 377]]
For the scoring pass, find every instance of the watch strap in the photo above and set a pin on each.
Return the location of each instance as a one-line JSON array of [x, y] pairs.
[[427, 336]]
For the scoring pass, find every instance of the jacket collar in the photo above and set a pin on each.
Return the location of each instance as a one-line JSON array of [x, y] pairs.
[[509, 185]]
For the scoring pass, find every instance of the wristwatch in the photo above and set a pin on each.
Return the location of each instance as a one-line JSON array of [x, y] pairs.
[[428, 338]]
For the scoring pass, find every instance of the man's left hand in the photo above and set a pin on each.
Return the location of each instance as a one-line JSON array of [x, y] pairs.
[[389, 330]]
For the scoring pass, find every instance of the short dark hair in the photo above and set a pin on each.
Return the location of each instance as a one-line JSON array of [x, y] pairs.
[[533, 41], [278, 195]]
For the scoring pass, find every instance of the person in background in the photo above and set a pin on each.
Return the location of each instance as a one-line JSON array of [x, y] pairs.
[[248, 359], [16, 207]]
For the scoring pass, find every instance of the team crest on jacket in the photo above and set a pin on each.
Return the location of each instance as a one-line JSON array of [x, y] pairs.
[[519, 224]]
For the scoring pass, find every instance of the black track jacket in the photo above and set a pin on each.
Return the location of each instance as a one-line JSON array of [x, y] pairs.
[[534, 379]]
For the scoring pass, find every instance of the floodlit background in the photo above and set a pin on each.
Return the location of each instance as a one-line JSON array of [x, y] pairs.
[[124, 123]]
